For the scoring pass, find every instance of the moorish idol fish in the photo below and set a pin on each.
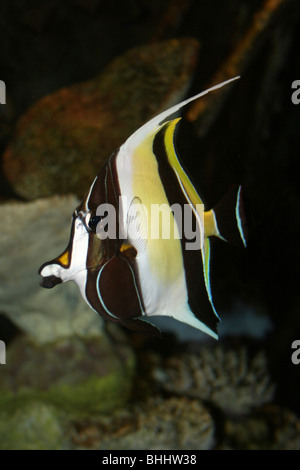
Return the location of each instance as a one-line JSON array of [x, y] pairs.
[[127, 274]]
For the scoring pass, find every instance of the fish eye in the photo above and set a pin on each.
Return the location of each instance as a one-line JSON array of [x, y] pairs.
[[93, 222]]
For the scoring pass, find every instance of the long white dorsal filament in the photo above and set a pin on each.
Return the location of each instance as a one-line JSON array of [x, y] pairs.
[[140, 134]]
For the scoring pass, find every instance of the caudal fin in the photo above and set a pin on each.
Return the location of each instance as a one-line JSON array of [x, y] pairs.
[[230, 217]]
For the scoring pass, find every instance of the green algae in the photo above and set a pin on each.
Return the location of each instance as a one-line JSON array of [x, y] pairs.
[[79, 377], [33, 426], [95, 395]]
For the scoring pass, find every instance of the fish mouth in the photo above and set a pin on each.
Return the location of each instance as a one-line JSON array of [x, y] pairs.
[[49, 282], [52, 280]]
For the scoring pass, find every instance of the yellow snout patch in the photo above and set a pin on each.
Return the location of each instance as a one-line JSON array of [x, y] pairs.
[[64, 258]]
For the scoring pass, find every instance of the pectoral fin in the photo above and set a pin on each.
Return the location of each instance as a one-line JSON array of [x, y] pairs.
[[117, 289]]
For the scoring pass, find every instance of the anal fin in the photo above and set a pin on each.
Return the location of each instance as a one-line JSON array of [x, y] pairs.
[[185, 315]]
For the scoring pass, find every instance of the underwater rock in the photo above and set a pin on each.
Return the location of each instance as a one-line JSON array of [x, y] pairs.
[[30, 234], [33, 426], [286, 430], [61, 142], [231, 380], [272, 428], [79, 376], [173, 423]]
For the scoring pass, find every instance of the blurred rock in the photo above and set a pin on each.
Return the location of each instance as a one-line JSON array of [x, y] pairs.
[[80, 377], [61, 142], [33, 426], [286, 430], [31, 234], [273, 428], [161, 424], [229, 379]]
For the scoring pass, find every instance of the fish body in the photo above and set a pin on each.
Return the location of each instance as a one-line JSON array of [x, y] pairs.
[[131, 252]]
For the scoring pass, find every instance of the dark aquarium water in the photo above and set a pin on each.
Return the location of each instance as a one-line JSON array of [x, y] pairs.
[[77, 78]]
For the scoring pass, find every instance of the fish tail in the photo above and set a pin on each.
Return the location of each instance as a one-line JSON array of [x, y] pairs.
[[230, 217]]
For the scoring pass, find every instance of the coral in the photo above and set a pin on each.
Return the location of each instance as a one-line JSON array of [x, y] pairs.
[[286, 432], [228, 378], [174, 423], [271, 428], [62, 141]]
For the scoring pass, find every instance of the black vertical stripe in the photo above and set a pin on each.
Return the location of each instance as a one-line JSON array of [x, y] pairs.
[[107, 190], [193, 265]]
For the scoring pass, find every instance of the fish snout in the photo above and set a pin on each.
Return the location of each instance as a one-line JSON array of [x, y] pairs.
[[52, 274], [50, 281]]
